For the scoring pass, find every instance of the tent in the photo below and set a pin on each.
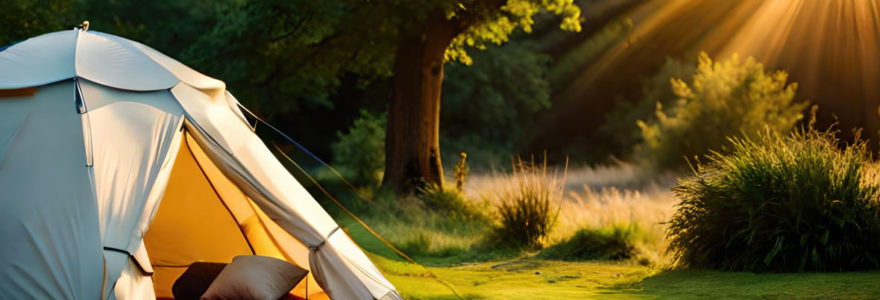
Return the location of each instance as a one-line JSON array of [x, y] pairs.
[[120, 166]]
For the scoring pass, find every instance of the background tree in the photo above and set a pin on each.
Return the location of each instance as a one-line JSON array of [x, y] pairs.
[[429, 34]]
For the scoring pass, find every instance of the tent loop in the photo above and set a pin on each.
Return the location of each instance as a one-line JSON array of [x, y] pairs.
[[315, 248]]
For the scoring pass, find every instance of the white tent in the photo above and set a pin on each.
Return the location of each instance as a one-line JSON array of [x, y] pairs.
[[120, 166]]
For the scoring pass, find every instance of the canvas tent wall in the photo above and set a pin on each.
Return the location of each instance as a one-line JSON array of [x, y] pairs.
[[102, 138]]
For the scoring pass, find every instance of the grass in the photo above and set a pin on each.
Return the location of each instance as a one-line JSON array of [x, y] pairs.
[[606, 244], [529, 278], [781, 203], [597, 198]]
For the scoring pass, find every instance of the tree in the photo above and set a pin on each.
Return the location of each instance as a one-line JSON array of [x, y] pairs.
[[429, 35]]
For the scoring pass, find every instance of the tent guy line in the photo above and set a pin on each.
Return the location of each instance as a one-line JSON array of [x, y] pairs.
[[365, 226], [347, 183]]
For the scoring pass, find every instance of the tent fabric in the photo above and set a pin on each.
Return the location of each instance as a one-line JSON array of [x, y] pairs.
[[98, 57], [37, 61], [131, 162], [47, 253], [142, 156], [119, 65], [245, 159]]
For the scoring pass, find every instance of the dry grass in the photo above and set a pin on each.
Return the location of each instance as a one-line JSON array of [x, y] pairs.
[[597, 198], [645, 210]]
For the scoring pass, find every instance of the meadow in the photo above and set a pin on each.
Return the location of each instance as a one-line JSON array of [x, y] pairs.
[[597, 198]]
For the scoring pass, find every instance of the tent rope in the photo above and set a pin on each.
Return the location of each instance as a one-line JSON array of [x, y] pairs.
[[361, 222], [351, 186], [347, 183]]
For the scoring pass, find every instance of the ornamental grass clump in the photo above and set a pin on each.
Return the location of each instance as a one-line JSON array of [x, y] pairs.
[[527, 206], [780, 203]]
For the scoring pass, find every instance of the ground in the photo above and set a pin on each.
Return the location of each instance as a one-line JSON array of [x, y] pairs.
[[528, 278]]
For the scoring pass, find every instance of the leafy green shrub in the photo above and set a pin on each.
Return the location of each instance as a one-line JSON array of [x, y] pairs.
[[360, 153], [781, 203], [725, 99], [527, 207], [449, 201], [615, 243]]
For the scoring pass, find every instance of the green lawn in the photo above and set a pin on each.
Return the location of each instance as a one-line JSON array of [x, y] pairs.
[[527, 278], [502, 275]]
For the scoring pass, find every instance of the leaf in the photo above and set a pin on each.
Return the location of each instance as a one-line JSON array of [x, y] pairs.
[[776, 248]]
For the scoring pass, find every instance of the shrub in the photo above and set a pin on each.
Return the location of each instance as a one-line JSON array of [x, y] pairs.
[[360, 153], [449, 201], [725, 99], [614, 243], [527, 206], [781, 203]]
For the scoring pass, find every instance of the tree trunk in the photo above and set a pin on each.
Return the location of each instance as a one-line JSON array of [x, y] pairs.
[[412, 144]]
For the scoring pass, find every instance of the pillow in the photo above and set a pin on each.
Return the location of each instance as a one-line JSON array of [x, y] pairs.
[[195, 280], [255, 277]]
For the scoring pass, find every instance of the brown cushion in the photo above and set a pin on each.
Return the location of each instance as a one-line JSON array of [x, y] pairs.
[[255, 277], [195, 280]]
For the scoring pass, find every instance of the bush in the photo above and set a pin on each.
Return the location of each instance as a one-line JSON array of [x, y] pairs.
[[615, 243], [782, 203], [527, 208], [450, 202], [360, 154], [725, 99]]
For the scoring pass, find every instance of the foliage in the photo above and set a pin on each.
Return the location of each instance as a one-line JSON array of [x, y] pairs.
[[729, 98], [781, 203], [527, 208], [450, 202], [360, 153], [167, 25], [614, 243], [23, 19], [492, 22], [488, 105], [284, 57], [620, 128]]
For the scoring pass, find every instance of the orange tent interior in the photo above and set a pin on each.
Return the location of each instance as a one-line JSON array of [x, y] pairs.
[[205, 217]]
